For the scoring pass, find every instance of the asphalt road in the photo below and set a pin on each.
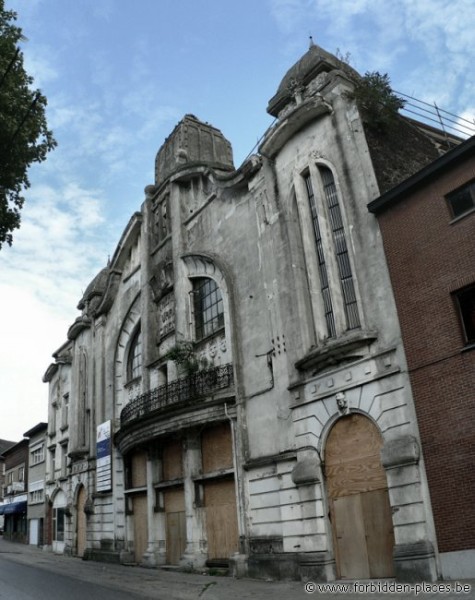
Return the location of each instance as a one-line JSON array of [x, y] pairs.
[[28, 573], [25, 582]]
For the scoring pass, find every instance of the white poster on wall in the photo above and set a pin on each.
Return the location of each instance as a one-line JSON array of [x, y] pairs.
[[104, 457]]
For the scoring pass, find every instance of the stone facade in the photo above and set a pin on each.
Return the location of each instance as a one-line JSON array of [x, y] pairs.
[[244, 349], [431, 257]]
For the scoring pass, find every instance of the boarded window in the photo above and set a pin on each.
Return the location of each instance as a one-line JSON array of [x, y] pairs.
[[138, 466], [217, 448], [172, 460]]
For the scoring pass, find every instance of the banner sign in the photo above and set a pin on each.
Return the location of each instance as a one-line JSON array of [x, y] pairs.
[[104, 458]]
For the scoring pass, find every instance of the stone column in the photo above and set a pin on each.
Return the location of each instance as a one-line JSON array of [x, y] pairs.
[[195, 555], [149, 558]]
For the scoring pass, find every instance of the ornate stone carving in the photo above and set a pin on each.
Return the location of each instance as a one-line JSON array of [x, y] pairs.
[[161, 282]]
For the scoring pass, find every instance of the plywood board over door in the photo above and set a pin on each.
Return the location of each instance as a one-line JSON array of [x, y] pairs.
[[174, 500], [358, 499], [139, 507], [221, 519]]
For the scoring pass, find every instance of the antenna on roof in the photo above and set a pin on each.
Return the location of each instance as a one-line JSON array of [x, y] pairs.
[[311, 43]]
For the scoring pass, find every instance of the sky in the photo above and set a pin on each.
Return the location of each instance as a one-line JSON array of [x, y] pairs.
[[120, 74]]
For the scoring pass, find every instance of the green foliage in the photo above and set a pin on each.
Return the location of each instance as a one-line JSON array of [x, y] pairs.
[[183, 355], [24, 134], [376, 100]]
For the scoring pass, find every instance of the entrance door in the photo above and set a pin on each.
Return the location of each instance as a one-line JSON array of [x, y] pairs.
[[174, 500], [34, 532], [358, 498], [221, 519], [139, 507], [81, 522]]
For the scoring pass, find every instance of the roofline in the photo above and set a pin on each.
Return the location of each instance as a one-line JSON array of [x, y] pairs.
[[389, 198], [24, 441], [36, 429]]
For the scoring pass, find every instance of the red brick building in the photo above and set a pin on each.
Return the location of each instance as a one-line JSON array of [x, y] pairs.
[[428, 229]]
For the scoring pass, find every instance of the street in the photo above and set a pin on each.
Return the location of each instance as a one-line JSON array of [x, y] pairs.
[[24, 582], [28, 573]]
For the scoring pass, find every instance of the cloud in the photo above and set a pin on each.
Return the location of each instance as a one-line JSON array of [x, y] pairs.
[[24, 358], [425, 46]]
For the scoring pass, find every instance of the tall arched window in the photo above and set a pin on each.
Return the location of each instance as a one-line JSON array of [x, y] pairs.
[[134, 363], [208, 307], [331, 248]]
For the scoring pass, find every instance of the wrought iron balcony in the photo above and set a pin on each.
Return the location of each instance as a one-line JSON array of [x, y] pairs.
[[198, 385]]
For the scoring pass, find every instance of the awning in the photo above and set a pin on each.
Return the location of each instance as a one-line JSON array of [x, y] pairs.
[[13, 508]]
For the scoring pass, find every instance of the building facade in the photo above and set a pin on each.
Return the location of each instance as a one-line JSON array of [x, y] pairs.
[[235, 390], [4, 445], [36, 504], [428, 227], [15, 498]]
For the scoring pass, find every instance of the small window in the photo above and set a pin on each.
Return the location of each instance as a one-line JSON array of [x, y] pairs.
[[466, 303], [208, 307], [462, 201], [134, 369]]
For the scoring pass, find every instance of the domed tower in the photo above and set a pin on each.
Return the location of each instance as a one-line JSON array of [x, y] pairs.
[[193, 143], [305, 77]]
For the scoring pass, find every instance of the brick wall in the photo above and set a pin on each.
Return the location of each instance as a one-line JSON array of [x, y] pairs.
[[429, 257]]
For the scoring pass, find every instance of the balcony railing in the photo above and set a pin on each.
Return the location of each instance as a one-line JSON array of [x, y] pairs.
[[181, 391]]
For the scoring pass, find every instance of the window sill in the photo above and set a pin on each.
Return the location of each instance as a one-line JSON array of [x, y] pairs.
[[335, 351], [209, 337], [462, 216], [468, 347]]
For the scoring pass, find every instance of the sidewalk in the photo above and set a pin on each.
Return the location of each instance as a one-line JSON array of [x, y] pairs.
[[174, 585]]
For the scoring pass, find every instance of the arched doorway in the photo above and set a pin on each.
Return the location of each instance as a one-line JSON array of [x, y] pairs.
[[81, 522], [358, 500]]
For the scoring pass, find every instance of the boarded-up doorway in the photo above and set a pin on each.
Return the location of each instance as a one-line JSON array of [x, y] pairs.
[[221, 519], [139, 507], [81, 522], [358, 498], [174, 500]]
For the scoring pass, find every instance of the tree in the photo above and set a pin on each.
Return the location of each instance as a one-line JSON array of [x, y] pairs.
[[24, 134]]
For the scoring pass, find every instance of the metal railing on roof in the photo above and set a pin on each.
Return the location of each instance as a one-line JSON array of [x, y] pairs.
[[431, 114]]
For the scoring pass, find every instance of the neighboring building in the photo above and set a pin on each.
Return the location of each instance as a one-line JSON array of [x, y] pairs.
[[15, 497], [235, 388], [428, 229], [4, 445], [36, 508], [57, 460]]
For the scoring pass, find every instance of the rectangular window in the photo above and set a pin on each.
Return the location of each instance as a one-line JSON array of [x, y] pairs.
[[208, 307], [36, 496], [38, 455], [465, 300], [322, 268], [462, 201], [21, 474]]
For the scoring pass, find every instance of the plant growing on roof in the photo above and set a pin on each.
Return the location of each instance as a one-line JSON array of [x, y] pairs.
[[376, 100]]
